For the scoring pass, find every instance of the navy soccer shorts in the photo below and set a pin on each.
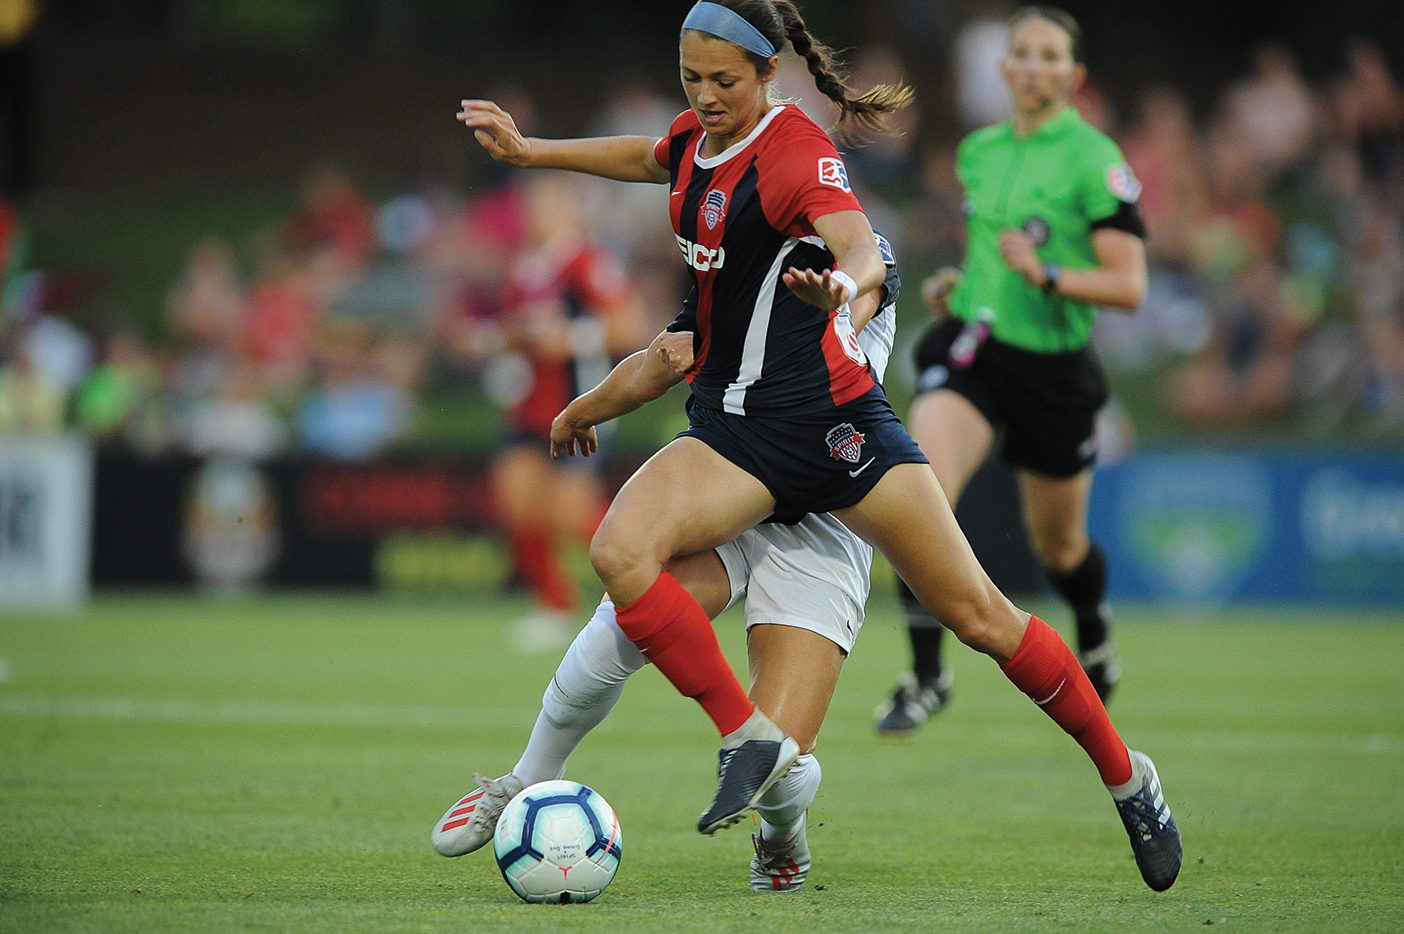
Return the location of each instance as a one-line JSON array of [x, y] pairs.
[[813, 461]]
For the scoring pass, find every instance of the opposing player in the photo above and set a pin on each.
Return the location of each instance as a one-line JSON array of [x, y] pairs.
[[1053, 229], [786, 417], [805, 587]]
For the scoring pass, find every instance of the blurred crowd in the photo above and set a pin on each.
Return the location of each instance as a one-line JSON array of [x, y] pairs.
[[324, 335], [1276, 220]]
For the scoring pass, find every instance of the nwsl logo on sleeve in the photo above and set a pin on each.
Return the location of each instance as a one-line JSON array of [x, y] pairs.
[[845, 443], [714, 208], [833, 174], [888, 257]]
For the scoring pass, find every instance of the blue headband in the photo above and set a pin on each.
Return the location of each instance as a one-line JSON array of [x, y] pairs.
[[725, 23]]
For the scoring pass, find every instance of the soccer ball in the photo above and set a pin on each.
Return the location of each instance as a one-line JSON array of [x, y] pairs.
[[558, 842]]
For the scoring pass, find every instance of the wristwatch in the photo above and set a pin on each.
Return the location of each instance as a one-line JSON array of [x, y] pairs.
[[1052, 272]]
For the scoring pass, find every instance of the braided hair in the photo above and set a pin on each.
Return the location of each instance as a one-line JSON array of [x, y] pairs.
[[860, 115]]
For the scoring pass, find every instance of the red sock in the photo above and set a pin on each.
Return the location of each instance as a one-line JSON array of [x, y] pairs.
[[674, 632], [1046, 669], [535, 555]]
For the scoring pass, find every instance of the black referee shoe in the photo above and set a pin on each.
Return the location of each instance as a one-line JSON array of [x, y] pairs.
[[1103, 668], [911, 705]]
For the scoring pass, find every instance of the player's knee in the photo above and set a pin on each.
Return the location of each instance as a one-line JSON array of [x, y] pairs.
[[616, 556], [1059, 551], [975, 619]]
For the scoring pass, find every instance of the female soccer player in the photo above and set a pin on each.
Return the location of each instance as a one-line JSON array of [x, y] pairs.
[[785, 415], [805, 587], [1053, 229]]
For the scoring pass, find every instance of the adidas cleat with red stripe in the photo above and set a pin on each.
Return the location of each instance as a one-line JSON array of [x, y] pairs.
[[470, 823], [780, 866]]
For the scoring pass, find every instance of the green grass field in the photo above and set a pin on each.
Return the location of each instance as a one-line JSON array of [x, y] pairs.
[[171, 763]]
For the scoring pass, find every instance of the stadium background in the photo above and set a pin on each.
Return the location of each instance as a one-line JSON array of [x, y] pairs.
[[288, 661], [140, 132]]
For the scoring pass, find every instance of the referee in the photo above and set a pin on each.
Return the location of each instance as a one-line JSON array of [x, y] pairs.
[[1052, 231]]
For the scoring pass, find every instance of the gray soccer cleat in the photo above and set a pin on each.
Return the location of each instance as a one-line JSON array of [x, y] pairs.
[[912, 704], [743, 775], [780, 866], [1155, 838], [470, 823]]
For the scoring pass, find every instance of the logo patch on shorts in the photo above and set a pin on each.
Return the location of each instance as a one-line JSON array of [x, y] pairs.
[[845, 443], [714, 208]]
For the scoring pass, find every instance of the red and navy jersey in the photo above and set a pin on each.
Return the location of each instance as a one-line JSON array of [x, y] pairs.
[[565, 288], [741, 219]]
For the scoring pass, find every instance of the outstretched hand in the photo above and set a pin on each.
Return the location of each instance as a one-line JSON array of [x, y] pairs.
[[819, 289], [568, 437], [495, 131]]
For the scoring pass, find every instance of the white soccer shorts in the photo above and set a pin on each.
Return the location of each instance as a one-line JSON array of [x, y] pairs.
[[813, 575]]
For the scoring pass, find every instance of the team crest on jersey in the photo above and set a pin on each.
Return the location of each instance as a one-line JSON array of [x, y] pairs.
[[833, 174], [1123, 183], [714, 208], [845, 443], [1038, 230]]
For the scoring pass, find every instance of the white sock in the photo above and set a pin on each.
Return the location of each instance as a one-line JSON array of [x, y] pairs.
[[1138, 776], [581, 694], [783, 804], [757, 726]]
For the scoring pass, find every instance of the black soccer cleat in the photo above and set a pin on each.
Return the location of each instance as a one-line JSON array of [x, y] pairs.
[[743, 775], [1155, 838], [911, 705], [1103, 668]]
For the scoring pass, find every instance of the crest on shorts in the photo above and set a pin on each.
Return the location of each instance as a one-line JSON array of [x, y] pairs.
[[714, 208], [845, 443], [833, 174]]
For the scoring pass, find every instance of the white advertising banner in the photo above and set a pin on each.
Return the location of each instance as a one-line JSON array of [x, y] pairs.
[[46, 507]]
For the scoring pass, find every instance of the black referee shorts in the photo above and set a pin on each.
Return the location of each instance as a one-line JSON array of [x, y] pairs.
[[1044, 404]]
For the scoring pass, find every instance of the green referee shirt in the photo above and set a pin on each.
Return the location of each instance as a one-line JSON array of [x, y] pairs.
[[1057, 184]]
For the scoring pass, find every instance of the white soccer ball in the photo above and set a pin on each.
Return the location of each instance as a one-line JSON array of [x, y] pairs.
[[558, 842]]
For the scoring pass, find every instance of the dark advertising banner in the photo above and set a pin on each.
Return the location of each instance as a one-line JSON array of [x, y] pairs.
[[406, 525], [228, 523]]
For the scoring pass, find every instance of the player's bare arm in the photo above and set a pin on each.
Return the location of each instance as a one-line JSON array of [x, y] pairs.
[[1117, 281], [623, 158], [862, 309], [849, 236], [639, 378]]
